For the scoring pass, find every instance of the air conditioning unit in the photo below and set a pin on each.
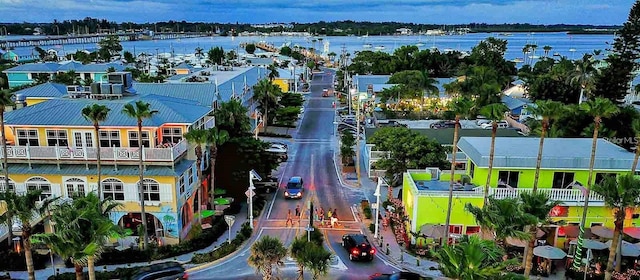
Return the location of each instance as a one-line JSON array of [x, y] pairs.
[[105, 88]]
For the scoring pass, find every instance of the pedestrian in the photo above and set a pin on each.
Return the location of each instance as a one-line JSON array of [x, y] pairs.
[[289, 219]]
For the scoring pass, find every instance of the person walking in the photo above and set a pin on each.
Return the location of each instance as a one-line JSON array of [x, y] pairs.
[[289, 220]]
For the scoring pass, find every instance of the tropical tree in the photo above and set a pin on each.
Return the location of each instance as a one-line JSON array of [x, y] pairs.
[[215, 138], [537, 208], [140, 111], [83, 228], [619, 194], [26, 207], [198, 137], [460, 107], [583, 74], [491, 218], [598, 108], [266, 92], [6, 100], [495, 113], [96, 114], [273, 71], [472, 258], [266, 253], [548, 110]]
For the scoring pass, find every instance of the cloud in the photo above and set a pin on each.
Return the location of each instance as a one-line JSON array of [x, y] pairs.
[[258, 11]]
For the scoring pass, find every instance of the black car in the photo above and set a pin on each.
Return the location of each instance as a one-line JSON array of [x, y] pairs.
[[443, 124], [358, 247], [402, 275], [161, 271]]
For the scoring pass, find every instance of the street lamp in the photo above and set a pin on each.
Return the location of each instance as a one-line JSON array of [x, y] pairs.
[[377, 206]]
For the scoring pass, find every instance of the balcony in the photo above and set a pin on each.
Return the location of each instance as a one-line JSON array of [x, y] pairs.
[[83, 154]]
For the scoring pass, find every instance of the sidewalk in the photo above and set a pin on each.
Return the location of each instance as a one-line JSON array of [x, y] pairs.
[[45, 273]]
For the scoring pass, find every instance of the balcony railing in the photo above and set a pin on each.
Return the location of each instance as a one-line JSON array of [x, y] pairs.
[[168, 154]]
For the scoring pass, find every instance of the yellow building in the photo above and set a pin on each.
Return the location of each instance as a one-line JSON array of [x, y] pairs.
[[51, 147]]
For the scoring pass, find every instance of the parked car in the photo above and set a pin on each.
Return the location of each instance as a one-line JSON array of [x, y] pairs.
[[400, 275], [161, 271], [501, 124], [443, 124], [295, 188], [358, 247]]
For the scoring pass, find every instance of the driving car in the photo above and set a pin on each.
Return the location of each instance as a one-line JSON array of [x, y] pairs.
[[358, 247], [161, 271], [294, 188], [400, 275]]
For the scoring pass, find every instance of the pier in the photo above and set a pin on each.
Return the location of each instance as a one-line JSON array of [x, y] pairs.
[[94, 38]]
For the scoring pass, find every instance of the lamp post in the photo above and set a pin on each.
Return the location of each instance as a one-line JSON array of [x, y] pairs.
[[377, 195]]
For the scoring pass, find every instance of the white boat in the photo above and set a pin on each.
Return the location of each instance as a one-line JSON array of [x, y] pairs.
[[367, 46], [380, 47]]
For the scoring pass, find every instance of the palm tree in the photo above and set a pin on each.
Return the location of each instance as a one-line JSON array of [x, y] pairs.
[[619, 194], [273, 72], [96, 114], [598, 108], [215, 138], [583, 74], [140, 111], [548, 110], [26, 208], [635, 126], [84, 228], [495, 113], [547, 49], [198, 137], [472, 258], [460, 107], [6, 100], [266, 93], [536, 207], [266, 253]]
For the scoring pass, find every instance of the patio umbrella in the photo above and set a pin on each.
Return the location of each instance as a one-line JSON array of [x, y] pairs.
[[591, 244], [628, 249], [602, 232], [205, 214], [549, 252], [633, 232], [219, 191], [517, 242], [434, 231], [222, 201]]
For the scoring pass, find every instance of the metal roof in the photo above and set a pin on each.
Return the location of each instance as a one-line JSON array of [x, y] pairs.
[[44, 90], [52, 67], [107, 170], [558, 153], [66, 112]]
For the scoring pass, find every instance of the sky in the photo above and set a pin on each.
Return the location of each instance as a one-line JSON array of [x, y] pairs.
[[598, 12]]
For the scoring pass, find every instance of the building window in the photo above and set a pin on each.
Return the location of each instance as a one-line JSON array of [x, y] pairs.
[[3, 188], [181, 183], [561, 180], [508, 179], [151, 190], [109, 138], [39, 184], [113, 188], [472, 168], [57, 137], [28, 137], [601, 176], [133, 139], [171, 135], [75, 187], [190, 176]]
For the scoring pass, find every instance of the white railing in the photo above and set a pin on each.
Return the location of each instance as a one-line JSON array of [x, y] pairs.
[[168, 154]]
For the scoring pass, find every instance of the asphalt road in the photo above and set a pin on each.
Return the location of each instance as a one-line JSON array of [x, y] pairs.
[[311, 157]]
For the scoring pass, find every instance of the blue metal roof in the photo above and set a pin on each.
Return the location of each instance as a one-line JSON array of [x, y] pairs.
[[44, 90], [81, 169], [558, 153], [66, 112], [52, 67]]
